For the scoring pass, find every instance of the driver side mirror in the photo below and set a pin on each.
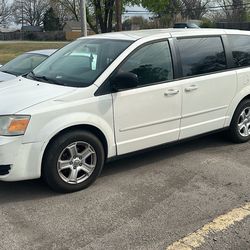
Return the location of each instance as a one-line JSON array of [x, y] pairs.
[[124, 80]]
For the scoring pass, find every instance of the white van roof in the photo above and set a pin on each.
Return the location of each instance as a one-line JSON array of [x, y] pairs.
[[139, 34]]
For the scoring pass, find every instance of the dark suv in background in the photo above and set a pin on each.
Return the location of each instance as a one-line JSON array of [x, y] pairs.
[[186, 25]]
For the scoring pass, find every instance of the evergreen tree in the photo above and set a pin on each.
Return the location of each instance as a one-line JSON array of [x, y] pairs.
[[51, 21]]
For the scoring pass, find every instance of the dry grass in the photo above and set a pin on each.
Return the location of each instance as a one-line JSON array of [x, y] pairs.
[[10, 50]]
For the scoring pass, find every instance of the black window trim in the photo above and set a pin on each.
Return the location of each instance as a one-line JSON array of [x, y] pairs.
[[225, 45], [105, 88], [228, 51]]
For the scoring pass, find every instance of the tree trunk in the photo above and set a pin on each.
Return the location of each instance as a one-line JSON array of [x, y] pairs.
[[118, 8], [98, 11]]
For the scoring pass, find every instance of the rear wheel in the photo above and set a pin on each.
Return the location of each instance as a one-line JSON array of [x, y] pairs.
[[239, 130], [73, 161]]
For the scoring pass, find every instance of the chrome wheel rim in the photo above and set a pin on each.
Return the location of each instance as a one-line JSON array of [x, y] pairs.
[[244, 122], [76, 162]]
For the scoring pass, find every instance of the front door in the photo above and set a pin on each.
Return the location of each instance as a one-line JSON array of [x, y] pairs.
[[149, 114]]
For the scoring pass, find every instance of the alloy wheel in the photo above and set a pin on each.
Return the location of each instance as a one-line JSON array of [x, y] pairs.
[[76, 162]]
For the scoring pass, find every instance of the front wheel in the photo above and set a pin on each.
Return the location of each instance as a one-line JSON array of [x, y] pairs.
[[73, 161], [239, 130]]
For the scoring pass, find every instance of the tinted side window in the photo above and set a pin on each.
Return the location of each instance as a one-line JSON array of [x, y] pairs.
[[152, 63], [240, 46], [202, 55]]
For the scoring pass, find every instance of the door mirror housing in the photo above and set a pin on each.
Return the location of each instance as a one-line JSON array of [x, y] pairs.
[[124, 80]]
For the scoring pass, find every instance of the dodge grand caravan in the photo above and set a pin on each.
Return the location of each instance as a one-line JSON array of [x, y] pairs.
[[112, 94]]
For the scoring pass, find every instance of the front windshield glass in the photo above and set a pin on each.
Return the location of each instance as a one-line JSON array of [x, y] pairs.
[[23, 64], [80, 63]]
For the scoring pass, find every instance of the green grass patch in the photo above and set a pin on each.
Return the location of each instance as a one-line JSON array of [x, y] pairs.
[[10, 50]]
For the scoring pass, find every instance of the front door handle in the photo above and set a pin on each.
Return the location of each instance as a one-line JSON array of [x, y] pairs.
[[171, 92], [191, 88]]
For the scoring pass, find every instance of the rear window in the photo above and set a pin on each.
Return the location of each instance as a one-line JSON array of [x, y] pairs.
[[23, 64], [201, 55], [240, 46]]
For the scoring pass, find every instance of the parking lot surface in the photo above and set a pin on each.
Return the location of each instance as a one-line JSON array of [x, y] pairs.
[[146, 201]]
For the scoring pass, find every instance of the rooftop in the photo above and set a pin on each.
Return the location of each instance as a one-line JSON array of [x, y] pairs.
[[139, 34]]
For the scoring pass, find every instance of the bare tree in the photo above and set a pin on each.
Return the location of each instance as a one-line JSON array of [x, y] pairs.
[[239, 11], [194, 9], [104, 11], [70, 10], [100, 13], [30, 12], [5, 12], [62, 12], [71, 7], [233, 10]]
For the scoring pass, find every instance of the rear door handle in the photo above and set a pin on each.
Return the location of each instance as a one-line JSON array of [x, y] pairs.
[[171, 92], [191, 88]]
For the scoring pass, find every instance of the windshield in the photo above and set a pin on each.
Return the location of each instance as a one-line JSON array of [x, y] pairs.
[[23, 64], [80, 63]]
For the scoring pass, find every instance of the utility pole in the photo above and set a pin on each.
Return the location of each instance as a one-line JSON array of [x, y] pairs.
[[118, 13], [22, 21], [22, 14], [83, 17]]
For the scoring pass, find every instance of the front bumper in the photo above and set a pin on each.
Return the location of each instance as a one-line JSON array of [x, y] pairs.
[[22, 159]]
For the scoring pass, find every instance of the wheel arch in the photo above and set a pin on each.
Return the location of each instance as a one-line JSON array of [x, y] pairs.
[[86, 127], [243, 95], [62, 183], [90, 128], [245, 98]]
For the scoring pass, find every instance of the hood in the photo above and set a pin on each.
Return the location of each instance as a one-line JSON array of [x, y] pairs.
[[21, 93], [6, 77]]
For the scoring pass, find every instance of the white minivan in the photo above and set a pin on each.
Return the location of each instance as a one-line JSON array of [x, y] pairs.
[[112, 94]]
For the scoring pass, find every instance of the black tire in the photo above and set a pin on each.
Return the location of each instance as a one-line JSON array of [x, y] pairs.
[[55, 149], [233, 132]]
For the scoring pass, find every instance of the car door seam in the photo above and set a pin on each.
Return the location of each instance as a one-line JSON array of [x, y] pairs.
[[150, 124]]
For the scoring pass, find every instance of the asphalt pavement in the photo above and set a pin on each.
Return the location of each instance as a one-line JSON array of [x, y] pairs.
[[146, 201]]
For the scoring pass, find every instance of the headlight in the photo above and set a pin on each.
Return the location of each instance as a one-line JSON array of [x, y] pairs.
[[11, 125]]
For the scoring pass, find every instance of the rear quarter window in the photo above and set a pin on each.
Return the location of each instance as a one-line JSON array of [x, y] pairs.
[[240, 45]]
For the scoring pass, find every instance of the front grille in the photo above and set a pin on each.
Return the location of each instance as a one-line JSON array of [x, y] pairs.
[[4, 169]]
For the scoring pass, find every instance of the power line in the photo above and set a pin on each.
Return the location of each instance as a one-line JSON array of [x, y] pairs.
[[229, 5], [213, 8]]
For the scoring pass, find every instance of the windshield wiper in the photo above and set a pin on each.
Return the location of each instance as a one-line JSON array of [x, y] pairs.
[[8, 72], [30, 75], [43, 78]]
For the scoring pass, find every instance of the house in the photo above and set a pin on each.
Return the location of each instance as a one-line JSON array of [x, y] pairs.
[[72, 26], [73, 30]]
